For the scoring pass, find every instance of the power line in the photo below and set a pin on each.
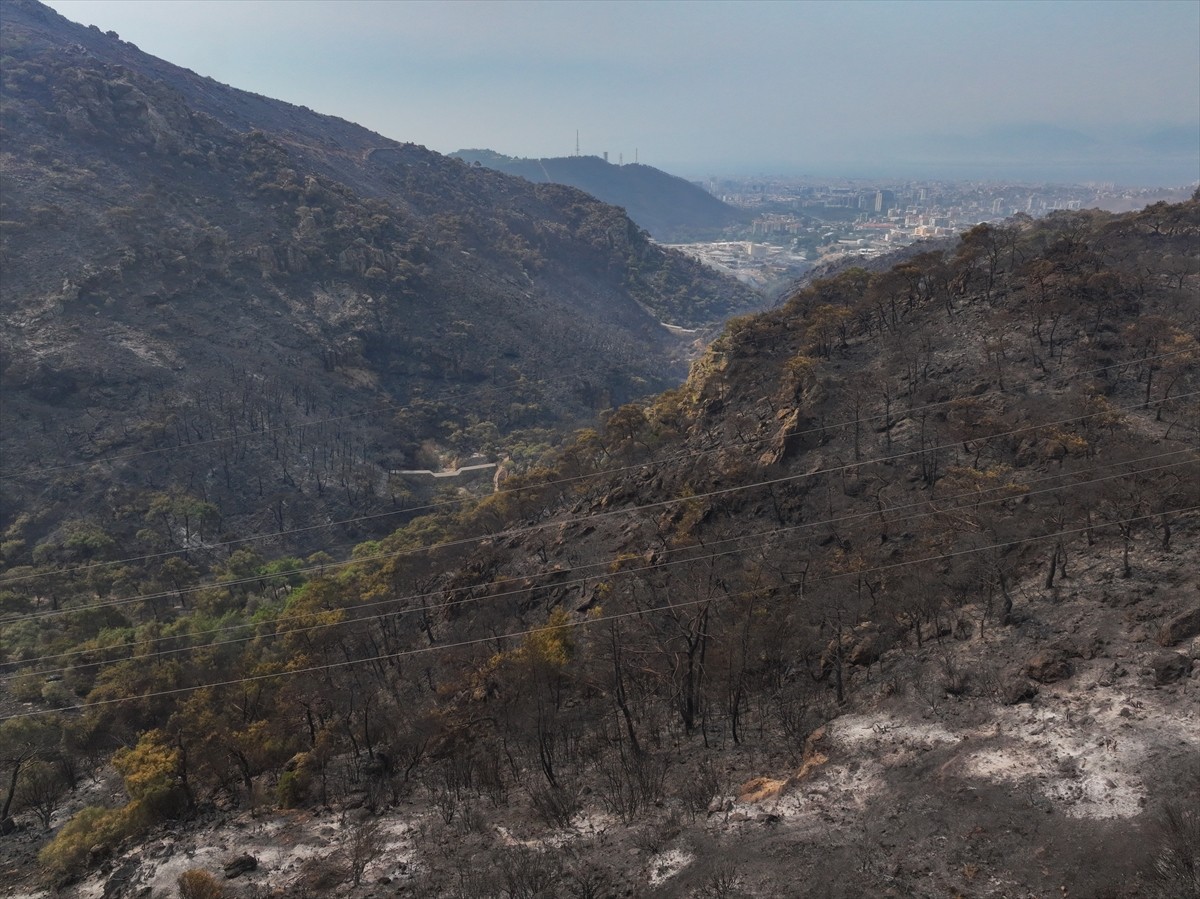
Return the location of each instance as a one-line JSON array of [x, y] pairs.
[[92, 566], [514, 532], [705, 557], [251, 434], [599, 619]]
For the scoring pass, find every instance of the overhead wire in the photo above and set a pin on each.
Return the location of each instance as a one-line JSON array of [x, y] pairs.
[[429, 507], [974, 495], [598, 619], [312, 423], [705, 556], [527, 529], [395, 407]]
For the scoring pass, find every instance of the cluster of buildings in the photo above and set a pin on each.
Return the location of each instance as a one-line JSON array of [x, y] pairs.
[[761, 265], [893, 213], [799, 222]]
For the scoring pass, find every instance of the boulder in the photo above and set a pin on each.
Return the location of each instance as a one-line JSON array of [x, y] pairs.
[[866, 649], [1017, 689], [1169, 667], [98, 853], [241, 865], [1180, 628], [119, 883], [1112, 674], [1049, 666]]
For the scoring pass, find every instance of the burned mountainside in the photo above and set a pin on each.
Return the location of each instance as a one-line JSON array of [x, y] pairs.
[[239, 304], [897, 595]]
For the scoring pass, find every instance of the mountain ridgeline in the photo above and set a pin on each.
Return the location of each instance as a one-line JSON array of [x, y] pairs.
[[671, 209], [214, 295]]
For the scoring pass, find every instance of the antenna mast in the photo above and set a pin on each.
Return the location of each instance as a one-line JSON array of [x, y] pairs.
[[576, 141]]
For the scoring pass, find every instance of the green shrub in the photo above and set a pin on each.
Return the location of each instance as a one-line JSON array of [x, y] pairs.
[[27, 687], [151, 772], [55, 695], [294, 785], [90, 835]]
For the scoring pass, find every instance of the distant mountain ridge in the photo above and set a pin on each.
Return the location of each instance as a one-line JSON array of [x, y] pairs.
[[672, 209]]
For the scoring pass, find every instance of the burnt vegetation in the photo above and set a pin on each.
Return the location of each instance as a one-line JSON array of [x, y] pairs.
[[215, 296], [809, 622], [890, 493]]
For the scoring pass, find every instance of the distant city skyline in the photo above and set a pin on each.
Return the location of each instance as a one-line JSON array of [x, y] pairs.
[[1051, 91]]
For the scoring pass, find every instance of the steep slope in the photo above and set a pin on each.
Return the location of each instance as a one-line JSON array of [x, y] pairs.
[[897, 595], [670, 208], [232, 301]]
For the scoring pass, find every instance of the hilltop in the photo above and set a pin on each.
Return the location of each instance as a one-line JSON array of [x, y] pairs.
[[672, 209]]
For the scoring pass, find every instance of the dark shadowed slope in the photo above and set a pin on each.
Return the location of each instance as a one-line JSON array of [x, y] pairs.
[[201, 284]]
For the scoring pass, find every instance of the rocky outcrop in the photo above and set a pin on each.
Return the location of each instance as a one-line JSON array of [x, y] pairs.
[[1180, 628]]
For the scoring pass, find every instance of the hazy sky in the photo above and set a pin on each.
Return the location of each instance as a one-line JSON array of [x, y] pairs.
[[716, 87]]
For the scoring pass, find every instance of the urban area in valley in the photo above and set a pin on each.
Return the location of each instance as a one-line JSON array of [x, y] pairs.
[[799, 223]]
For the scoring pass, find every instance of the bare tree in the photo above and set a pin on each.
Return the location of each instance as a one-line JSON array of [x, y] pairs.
[[364, 843], [41, 790]]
